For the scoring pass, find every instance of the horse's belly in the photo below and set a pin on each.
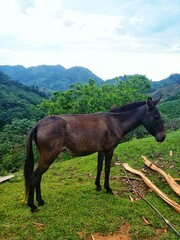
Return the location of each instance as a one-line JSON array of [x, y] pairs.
[[83, 150]]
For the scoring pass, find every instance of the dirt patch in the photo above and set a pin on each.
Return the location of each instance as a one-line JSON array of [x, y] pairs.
[[122, 234], [159, 232], [126, 189], [137, 184]]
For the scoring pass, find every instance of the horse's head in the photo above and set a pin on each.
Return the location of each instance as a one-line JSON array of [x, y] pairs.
[[152, 120]]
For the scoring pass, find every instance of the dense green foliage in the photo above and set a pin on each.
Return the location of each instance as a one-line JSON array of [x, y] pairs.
[[17, 101], [170, 111], [89, 98], [74, 210], [12, 145], [18, 113]]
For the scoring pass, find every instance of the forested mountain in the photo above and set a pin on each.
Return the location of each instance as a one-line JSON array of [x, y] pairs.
[[172, 79], [169, 92], [17, 101], [48, 77], [57, 78]]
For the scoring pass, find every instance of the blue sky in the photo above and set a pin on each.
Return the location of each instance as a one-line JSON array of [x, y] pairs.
[[109, 37]]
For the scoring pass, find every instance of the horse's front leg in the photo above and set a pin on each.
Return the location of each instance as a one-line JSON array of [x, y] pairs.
[[99, 170], [108, 157]]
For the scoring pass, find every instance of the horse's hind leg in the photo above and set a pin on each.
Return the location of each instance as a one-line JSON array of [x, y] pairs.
[[46, 158], [35, 183], [38, 194], [30, 202]]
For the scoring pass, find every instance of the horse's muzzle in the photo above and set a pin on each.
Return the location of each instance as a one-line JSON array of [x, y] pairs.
[[160, 137]]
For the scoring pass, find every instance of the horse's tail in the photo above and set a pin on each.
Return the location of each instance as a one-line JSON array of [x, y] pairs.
[[29, 161]]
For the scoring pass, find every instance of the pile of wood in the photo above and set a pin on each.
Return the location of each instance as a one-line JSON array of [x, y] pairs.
[[168, 178]]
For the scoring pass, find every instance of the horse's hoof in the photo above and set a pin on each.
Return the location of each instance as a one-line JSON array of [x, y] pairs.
[[34, 209], [109, 191], [41, 203], [98, 188]]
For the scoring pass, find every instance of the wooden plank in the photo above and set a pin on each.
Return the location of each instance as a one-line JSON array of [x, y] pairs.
[[6, 178]]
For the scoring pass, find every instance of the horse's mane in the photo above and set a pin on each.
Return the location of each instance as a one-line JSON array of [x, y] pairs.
[[127, 107]]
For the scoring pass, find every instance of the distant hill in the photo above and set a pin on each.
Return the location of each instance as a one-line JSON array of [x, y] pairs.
[[17, 100], [57, 78], [170, 92], [172, 79], [49, 77], [114, 80], [168, 87]]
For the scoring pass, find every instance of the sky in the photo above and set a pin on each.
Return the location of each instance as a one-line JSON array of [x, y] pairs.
[[109, 37]]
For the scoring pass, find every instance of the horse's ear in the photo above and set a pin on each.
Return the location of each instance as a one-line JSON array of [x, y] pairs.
[[150, 103], [157, 100]]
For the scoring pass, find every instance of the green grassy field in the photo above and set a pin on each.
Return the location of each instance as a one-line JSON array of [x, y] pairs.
[[74, 210]]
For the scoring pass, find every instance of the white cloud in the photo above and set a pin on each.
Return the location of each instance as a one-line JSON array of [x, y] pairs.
[[110, 38]]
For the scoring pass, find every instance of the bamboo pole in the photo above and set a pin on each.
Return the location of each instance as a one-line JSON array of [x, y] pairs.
[[153, 187], [168, 178]]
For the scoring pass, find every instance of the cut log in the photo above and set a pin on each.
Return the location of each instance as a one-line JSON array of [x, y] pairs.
[[169, 179], [176, 179], [153, 187], [6, 178], [92, 237]]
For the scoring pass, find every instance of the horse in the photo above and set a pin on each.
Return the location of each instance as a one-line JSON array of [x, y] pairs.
[[85, 134]]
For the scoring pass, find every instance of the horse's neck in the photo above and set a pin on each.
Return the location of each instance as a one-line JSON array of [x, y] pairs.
[[131, 119]]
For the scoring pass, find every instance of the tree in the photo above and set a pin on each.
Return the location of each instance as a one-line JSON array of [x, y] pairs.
[[90, 98], [12, 144]]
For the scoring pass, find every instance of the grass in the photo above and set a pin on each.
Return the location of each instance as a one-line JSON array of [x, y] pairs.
[[74, 210]]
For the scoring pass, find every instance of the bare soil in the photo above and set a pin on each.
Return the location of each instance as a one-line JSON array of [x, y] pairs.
[[122, 234]]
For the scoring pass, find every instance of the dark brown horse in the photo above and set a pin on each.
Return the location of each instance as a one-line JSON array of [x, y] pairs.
[[84, 134]]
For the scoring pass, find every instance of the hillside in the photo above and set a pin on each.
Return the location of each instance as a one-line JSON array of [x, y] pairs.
[[170, 109], [170, 92], [56, 77], [172, 79], [17, 100], [48, 77], [168, 87], [155, 85]]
